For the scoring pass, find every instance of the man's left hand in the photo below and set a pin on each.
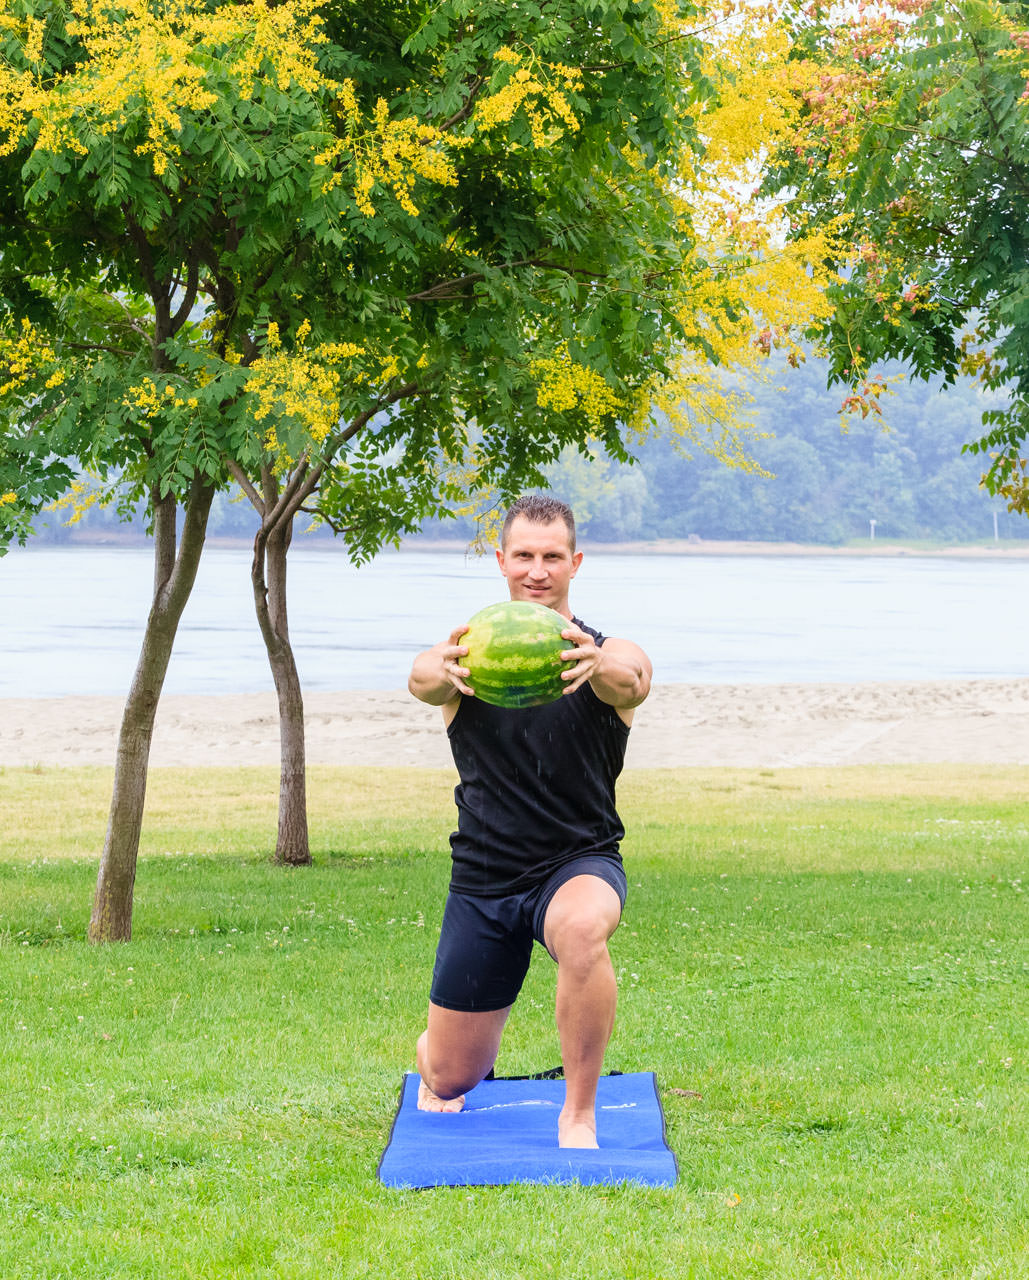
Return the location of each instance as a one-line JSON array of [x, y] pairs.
[[586, 656], [620, 672]]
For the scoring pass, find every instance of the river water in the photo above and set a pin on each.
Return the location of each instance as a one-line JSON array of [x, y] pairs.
[[71, 619]]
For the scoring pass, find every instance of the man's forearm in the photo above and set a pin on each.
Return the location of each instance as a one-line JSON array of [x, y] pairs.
[[623, 678]]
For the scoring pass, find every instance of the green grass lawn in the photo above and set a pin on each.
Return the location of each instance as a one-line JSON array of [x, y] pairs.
[[827, 969]]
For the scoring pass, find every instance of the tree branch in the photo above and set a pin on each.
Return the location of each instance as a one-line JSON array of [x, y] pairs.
[[100, 346], [159, 290], [683, 35], [192, 286], [243, 480], [301, 486], [333, 524], [548, 265], [132, 322], [301, 472], [146, 257], [466, 110], [270, 486], [441, 292]]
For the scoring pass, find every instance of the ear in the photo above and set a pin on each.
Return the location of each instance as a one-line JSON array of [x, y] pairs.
[[576, 561], [500, 560]]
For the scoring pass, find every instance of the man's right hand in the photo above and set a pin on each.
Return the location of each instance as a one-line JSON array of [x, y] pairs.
[[451, 652], [438, 675]]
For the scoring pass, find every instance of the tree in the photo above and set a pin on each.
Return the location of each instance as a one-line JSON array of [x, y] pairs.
[[591, 254], [365, 260], [915, 151]]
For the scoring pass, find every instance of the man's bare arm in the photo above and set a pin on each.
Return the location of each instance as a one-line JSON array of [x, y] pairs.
[[437, 676], [619, 671]]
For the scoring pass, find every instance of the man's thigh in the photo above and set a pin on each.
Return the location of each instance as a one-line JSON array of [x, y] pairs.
[[483, 954]]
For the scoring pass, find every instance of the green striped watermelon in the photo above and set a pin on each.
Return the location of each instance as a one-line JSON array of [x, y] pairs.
[[514, 654]]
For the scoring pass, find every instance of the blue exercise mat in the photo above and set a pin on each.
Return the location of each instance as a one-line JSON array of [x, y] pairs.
[[507, 1132]]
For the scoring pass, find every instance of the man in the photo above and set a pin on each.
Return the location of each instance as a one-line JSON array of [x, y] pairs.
[[535, 855]]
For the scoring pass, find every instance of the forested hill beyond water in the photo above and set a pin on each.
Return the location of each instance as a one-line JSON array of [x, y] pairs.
[[906, 472], [909, 476]]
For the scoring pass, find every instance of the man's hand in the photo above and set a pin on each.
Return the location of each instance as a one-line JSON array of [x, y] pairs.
[[619, 672], [438, 676], [586, 656], [451, 653]]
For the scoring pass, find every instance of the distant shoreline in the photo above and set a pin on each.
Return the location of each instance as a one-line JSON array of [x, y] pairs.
[[703, 547], [662, 546]]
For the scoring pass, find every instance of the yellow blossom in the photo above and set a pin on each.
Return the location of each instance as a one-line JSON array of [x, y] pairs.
[[80, 499], [144, 396], [25, 356], [538, 93], [670, 19], [304, 384], [564, 385], [389, 153], [161, 59]]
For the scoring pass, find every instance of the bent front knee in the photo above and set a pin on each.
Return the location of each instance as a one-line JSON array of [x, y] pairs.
[[581, 951]]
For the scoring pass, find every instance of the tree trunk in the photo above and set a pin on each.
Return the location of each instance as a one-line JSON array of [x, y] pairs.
[[174, 575], [292, 846]]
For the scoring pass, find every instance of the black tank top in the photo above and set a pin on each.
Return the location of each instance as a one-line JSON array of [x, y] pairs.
[[537, 788]]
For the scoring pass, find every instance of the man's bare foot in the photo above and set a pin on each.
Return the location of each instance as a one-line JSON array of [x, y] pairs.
[[429, 1101], [576, 1133]]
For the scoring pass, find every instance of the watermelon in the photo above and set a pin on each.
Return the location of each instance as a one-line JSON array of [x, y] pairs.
[[514, 653]]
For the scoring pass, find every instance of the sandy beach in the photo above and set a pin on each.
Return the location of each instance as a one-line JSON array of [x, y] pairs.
[[967, 721]]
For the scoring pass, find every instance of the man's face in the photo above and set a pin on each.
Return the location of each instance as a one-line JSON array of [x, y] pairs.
[[538, 563]]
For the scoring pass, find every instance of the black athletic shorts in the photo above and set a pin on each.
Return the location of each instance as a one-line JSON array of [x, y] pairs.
[[485, 944]]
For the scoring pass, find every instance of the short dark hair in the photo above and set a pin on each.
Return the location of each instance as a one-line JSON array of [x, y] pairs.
[[539, 508]]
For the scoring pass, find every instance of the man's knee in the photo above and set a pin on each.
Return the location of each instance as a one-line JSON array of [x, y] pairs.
[[457, 1050], [578, 941], [448, 1085], [580, 921]]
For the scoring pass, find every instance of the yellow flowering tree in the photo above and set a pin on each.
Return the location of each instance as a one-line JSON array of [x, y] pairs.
[[362, 260], [913, 149], [725, 286]]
